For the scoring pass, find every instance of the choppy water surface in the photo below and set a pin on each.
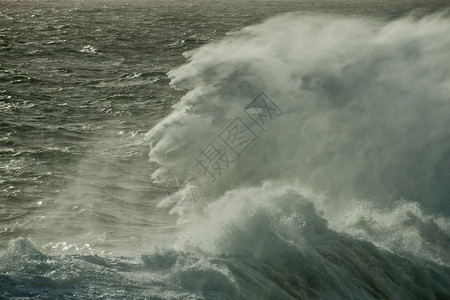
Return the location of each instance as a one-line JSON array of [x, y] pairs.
[[343, 195], [81, 83]]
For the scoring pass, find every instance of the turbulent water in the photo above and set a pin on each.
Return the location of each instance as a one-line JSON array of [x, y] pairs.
[[224, 150]]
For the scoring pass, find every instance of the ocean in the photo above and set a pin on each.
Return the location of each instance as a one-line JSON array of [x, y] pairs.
[[214, 149]]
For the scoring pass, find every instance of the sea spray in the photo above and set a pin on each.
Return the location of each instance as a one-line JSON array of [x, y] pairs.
[[366, 108]]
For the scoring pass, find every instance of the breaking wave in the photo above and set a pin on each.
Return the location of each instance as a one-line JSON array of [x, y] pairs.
[[356, 118]]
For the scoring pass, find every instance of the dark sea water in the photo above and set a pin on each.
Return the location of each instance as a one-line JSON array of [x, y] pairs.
[[106, 107]]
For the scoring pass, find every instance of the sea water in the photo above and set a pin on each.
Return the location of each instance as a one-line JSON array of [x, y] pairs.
[[224, 150]]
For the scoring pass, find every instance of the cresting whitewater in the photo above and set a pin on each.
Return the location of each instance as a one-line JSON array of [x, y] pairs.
[[343, 195]]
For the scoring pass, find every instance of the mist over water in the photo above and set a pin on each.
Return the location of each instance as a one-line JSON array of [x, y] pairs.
[[341, 194], [365, 107]]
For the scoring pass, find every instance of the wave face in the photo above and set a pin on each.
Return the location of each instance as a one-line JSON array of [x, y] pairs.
[[339, 190]]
